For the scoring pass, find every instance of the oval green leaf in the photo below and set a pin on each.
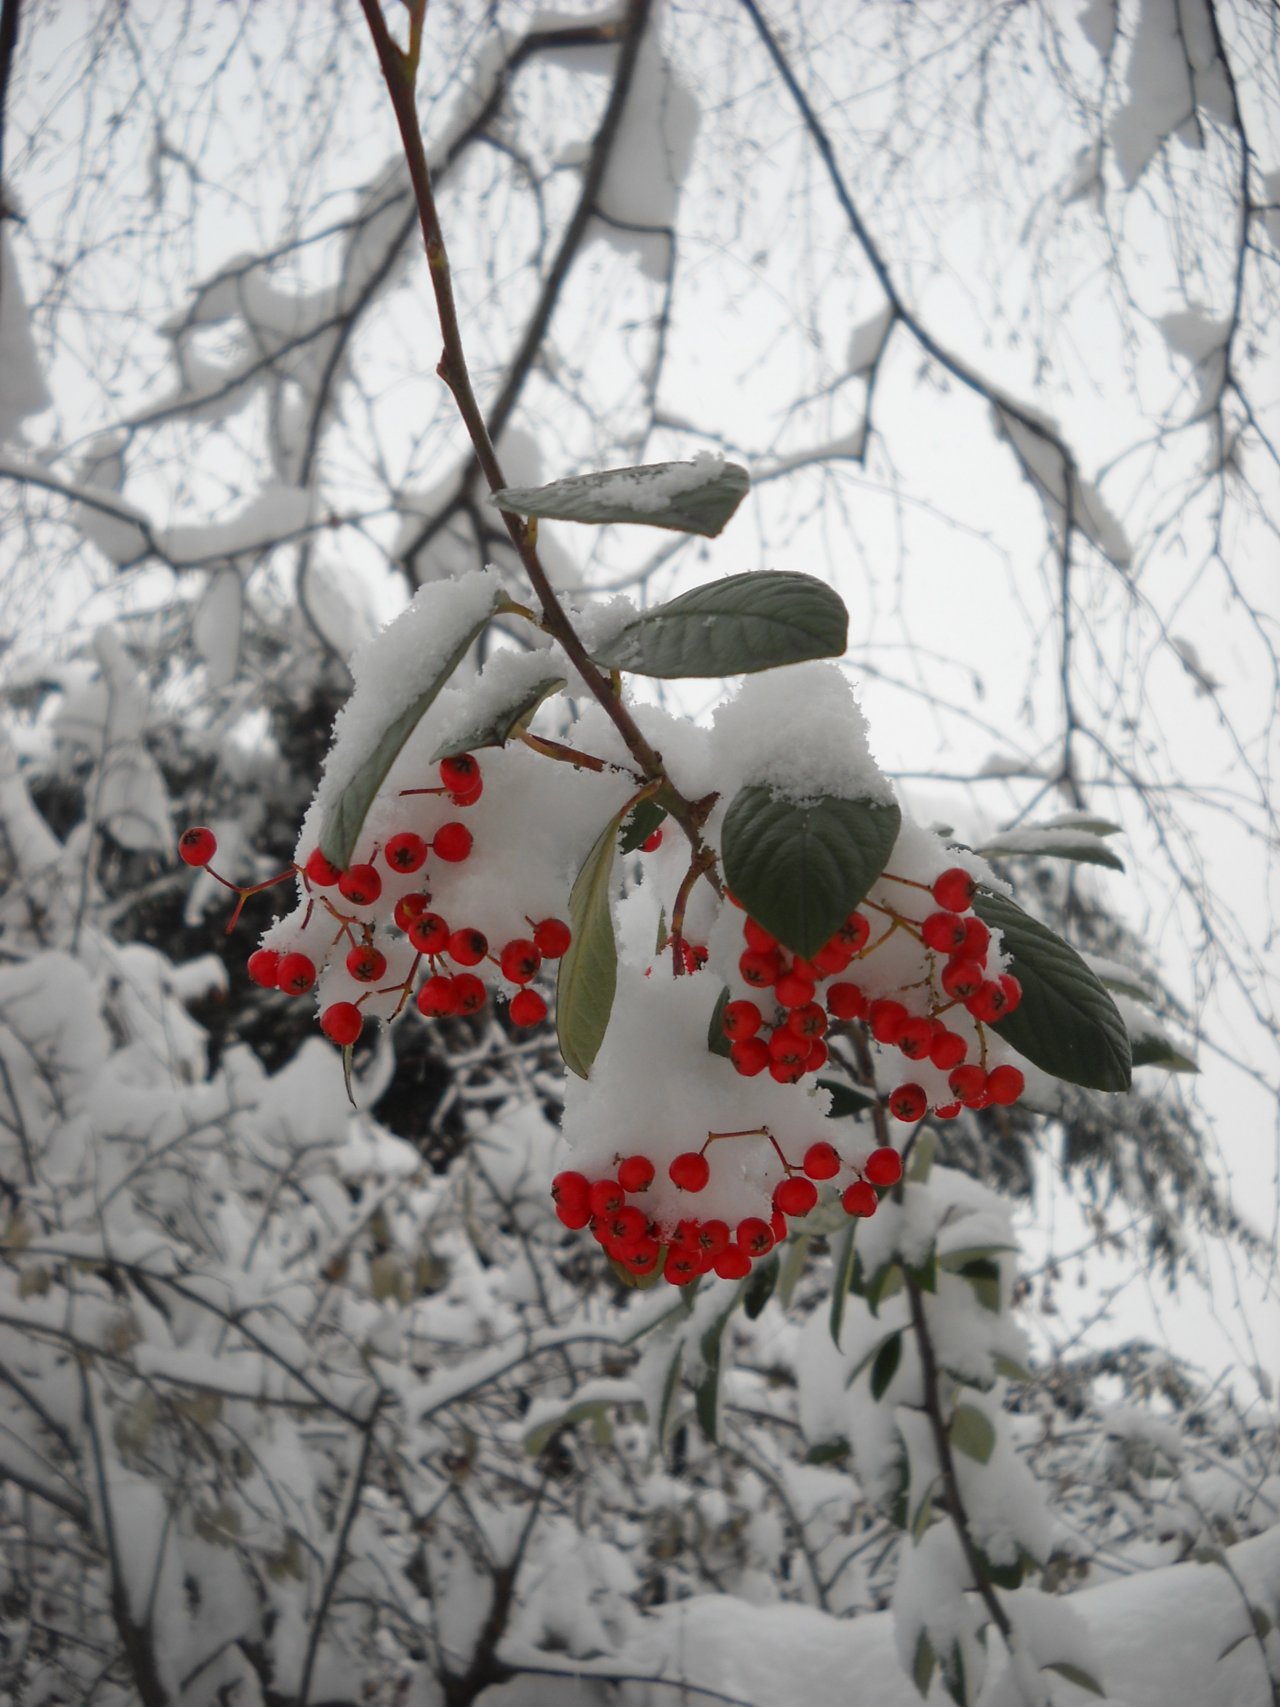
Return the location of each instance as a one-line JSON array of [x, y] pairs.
[[687, 497], [733, 627], [885, 1366], [503, 722], [346, 817], [1075, 844], [800, 870], [972, 1433], [588, 975], [1066, 1023]]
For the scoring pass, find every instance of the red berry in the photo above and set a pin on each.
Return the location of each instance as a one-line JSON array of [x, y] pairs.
[[778, 1226], [197, 845], [694, 956], [822, 1160], [883, 1166], [627, 1226], [635, 1173], [908, 1102], [429, 934], [817, 1056], [681, 1265], [341, 1022], [760, 967], [690, 1171], [437, 997], [855, 931], [947, 1049], [755, 1236], [967, 1083], [750, 1055], [297, 974], [570, 1193], [793, 990], [962, 979], [787, 1072], [886, 1019], [860, 1199], [361, 885], [1005, 1084], [785, 1046], [832, 958], [552, 937], [405, 852], [733, 1263], [652, 842], [642, 1257], [943, 932], [1012, 991], [408, 909], [809, 1021], [606, 1197], [795, 1196], [468, 946], [527, 1008], [452, 842], [977, 940], [946, 1111], [470, 992], [846, 1001], [520, 960], [321, 871], [741, 1019], [757, 937], [459, 774], [471, 795], [988, 1003], [264, 968], [712, 1237], [366, 963], [953, 889], [915, 1038]]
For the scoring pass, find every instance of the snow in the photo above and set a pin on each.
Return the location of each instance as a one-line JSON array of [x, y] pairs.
[[1034, 438], [1173, 71], [867, 340], [653, 487], [1202, 340], [22, 388]]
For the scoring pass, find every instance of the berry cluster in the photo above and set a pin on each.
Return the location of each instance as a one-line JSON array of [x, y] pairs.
[[939, 1018], [688, 1246], [371, 930]]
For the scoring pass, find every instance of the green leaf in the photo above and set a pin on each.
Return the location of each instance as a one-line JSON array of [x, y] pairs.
[[503, 722], [1077, 1675], [845, 1259], [717, 1042], [345, 820], [846, 1101], [1066, 1023], [707, 1396], [670, 1387], [972, 1433], [793, 1266], [1003, 1576], [984, 1277], [923, 1512], [922, 1154], [583, 1410], [828, 1451], [1011, 1369], [759, 1287], [588, 975], [686, 497], [733, 627], [1076, 843], [923, 1663], [886, 1364], [953, 1675], [801, 870], [884, 1283], [1152, 1051], [926, 1275], [348, 1053], [644, 818]]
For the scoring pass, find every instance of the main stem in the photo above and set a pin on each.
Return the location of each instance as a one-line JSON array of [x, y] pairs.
[[399, 69]]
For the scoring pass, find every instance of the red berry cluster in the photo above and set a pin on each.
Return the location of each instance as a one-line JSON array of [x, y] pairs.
[[688, 1246], [357, 900], [957, 945]]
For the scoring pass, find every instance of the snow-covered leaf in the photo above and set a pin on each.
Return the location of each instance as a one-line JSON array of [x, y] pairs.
[[972, 1433], [588, 975], [639, 824], [687, 497], [216, 626], [346, 814], [842, 1276], [1066, 1023], [503, 721], [1077, 1675], [717, 1042], [1044, 843], [706, 1398], [759, 1286], [923, 1663], [737, 626], [801, 869]]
